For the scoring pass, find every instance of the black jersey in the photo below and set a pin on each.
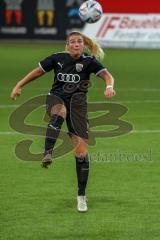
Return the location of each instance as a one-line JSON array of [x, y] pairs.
[[71, 75]]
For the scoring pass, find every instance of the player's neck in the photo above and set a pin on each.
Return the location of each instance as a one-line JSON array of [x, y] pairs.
[[75, 56]]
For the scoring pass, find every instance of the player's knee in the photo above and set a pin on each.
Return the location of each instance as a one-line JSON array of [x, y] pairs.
[[81, 150], [62, 113], [80, 154], [60, 110]]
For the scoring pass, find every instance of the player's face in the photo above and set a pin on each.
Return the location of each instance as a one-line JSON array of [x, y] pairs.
[[75, 45]]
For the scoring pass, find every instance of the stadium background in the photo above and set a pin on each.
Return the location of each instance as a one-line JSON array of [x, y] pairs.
[[123, 188]]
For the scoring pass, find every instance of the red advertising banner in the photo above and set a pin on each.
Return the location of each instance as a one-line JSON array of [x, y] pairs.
[[130, 6]]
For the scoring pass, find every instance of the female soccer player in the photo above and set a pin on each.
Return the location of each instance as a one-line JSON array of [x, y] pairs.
[[67, 99]]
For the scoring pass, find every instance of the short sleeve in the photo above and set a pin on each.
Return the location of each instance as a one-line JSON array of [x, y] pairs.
[[96, 67], [48, 63]]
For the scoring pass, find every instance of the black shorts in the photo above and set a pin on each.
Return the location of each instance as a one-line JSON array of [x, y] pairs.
[[76, 105]]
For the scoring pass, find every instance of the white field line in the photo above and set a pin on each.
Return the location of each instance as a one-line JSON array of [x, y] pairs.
[[135, 89], [10, 106], [119, 89], [129, 101], [138, 89], [134, 131], [3, 106]]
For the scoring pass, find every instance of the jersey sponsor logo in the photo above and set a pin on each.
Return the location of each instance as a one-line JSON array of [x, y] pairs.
[[70, 78], [83, 85], [79, 67]]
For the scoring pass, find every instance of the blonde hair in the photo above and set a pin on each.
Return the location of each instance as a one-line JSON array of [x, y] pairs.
[[92, 47]]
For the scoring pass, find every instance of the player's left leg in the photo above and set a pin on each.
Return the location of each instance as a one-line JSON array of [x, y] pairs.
[[77, 124], [82, 169]]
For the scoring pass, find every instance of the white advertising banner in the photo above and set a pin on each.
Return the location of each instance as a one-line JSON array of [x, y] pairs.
[[126, 30]]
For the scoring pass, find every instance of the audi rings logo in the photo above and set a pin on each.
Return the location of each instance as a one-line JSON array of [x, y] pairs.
[[70, 78]]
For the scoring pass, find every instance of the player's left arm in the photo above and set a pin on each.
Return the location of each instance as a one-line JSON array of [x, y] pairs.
[[109, 80]]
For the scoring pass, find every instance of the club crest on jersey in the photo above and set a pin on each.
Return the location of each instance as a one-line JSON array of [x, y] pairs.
[[79, 67]]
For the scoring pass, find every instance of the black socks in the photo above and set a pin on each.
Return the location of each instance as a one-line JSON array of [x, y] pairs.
[[82, 168], [52, 132], [82, 163]]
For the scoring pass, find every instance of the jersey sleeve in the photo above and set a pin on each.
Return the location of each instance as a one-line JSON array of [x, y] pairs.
[[48, 63], [96, 67]]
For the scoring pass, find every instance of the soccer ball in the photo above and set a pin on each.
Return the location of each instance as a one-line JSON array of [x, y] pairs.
[[90, 11]]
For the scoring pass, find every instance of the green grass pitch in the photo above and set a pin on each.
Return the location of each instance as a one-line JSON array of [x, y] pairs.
[[123, 192]]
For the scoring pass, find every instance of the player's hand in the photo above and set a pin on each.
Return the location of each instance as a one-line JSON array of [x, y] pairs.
[[109, 92], [16, 92]]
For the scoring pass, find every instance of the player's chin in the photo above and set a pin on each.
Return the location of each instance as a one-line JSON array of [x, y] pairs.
[[77, 52]]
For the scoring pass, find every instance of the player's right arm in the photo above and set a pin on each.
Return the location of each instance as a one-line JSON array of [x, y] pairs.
[[35, 73]]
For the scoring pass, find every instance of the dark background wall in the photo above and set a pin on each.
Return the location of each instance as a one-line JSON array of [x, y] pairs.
[[65, 19]]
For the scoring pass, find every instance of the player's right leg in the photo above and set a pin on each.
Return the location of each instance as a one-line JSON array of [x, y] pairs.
[[57, 112]]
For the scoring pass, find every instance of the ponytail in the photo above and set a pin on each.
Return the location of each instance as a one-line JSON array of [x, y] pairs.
[[92, 47]]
